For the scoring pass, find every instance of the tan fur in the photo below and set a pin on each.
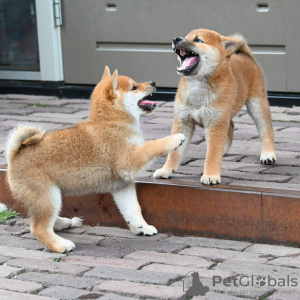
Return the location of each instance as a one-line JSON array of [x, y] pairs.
[[103, 154], [226, 78]]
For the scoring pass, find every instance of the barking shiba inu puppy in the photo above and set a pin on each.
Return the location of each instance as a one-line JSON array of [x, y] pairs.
[[219, 75], [103, 154]]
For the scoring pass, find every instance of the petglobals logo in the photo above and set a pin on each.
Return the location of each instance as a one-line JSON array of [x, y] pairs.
[[193, 286], [259, 281]]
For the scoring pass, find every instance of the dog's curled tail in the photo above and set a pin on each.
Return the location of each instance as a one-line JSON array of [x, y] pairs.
[[23, 134], [242, 44]]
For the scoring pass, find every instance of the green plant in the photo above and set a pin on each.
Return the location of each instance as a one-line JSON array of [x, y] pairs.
[[38, 105], [4, 215], [57, 259]]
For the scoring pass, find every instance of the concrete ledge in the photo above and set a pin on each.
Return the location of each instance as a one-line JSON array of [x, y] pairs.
[[181, 208]]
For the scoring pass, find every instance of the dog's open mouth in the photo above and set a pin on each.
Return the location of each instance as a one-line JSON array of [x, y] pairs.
[[189, 60], [147, 105]]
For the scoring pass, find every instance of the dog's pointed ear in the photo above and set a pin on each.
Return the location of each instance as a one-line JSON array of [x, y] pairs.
[[115, 80], [106, 73], [233, 44]]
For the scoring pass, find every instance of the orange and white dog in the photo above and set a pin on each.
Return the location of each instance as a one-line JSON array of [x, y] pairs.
[[103, 154], [219, 75]]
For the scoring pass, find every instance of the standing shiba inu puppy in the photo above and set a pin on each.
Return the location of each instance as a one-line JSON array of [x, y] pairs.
[[100, 155], [219, 75]]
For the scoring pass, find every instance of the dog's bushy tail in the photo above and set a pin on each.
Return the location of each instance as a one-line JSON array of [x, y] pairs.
[[23, 134], [242, 44]]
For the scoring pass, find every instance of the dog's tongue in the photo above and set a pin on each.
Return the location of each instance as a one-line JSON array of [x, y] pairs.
[[189, 61], [147, 102], [147, 105]]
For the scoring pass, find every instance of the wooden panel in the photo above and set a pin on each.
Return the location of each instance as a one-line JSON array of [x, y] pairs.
[[292, 32], [78, 46], [274, 68], [138, 24], [135, 37], [142, 66], [158, 21]]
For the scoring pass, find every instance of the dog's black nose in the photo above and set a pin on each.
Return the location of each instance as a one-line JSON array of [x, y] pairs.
[[152, 83], [176, 40]]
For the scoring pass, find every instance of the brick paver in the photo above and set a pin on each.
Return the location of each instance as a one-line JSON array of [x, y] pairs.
[[6, 271], [92, 261], [212, 243], [88, 272], [59, 279], [111, 263], [47, 266], [53, 113], [9, 295], [68, 293], [172, 259], [273, 249], [220, 255], [142, 276], [144, 244], [140, 289], [23, 253], [20, 286]]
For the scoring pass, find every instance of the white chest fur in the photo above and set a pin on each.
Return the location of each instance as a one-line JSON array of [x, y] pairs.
[[198, 93], [197, 98], [137, 137]]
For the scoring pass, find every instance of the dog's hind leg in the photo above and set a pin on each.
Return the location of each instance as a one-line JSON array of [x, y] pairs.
[[259, 110], [65, 223], [44, 208], [229, 137], [129, 207], [175, 157]]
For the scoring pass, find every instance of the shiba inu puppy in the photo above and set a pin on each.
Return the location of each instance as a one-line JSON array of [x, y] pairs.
[[100, 155], [219, 75]]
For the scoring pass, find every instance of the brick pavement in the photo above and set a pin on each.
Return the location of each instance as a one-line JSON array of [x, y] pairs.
[[241, 167], [111, 263], [230, 269]]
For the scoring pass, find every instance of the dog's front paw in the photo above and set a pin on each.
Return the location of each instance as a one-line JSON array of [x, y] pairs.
[[163, 173], [174, 141], [144, 230], [62, 246], [210, 179], [268, 158], [178, 140]]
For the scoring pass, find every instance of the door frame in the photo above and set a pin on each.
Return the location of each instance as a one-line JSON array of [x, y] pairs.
[[50, 49]]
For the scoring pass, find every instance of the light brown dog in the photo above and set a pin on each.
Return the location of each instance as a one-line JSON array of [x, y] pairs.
[[103, 154], [219, 75]]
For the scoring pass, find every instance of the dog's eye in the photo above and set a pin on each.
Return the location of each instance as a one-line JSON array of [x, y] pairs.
[[134, 88], [197, 40]]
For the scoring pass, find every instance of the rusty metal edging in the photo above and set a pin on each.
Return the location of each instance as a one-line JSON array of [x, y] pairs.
[[181, 208]]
